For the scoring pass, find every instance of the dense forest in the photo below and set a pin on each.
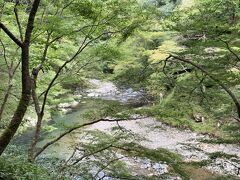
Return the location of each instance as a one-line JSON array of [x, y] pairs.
[[120, 89]]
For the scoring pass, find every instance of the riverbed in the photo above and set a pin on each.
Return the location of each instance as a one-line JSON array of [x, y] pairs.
[[151, 134]]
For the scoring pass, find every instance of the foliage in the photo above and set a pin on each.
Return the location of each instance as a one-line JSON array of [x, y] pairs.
[[73, 41], [14, 166], [205, 32]]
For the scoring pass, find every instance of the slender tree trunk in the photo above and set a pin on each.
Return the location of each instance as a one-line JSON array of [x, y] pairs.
[[32, 147], [5, 99], [11, 72], [36, 136], [40, 114]]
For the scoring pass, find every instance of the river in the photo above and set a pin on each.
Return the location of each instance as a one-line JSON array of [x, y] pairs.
[[151, 134]]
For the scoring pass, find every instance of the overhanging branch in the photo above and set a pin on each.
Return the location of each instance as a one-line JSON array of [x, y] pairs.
[[221, 84], [81, 126]]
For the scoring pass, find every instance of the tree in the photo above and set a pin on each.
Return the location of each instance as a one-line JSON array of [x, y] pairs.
[[222, 85], [26, 80], [205, 34], [60, 43], [209, 28], [11, 67]]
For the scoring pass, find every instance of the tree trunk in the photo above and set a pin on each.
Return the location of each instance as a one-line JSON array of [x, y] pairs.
[[23, 103], [36, 136], [40, 114]]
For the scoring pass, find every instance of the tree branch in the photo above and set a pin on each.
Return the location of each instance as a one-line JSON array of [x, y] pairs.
[[224, 87], [10, 34], [30, 23], [81, 126], [80, 49], [230, 49], [17, 19], [105, 166], [90, 154], [4, 54]]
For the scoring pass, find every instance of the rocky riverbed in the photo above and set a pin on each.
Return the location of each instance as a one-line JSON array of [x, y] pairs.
[[109, 91], [184, 142], [157, 135], [222, 159]]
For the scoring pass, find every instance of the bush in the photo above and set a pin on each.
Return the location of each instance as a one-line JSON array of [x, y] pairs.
[[18, 168]]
